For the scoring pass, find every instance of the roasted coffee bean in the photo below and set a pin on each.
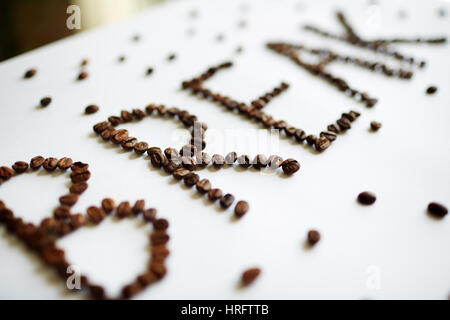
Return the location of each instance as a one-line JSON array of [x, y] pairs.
[[149, 215], [322, 144], [108, 205], [83, 75], [80, 176], [366, 198], [189, 163], [97, 292], [64, 163], [126, 116], [203, 159], [171, 153], [244, 161], [36, 162], [160, 253], [129, 143], [119, 136], [241, 208], [333, 128], [180, 173], [61, 212], [203, 186], [344, 124], [437, 209], [90, 109], [331, 136], [78, 188], [147, 279], [188, 151], [50, 164], [95, 214], [77, 221], [45, 101], [431, 90], [275, 161], [114, 120], [141, 147], [159, 237], [161, 224], [20, 166], [171, 166], [138, 114], [138, 207], [157, 159], [158, 269], [218, 161], [84, 62], [149, 71], [30, 73], [249, 276], [52, 256], [311, 139], [191, 179], [131, 290], [214, 194], [226, 201], [290, 166], [230, 158], [375, 125], [313, 237], [69, 199], [349, 116], [123, 210], [102, 126], [300, 135], [79, 167], [260, 161]]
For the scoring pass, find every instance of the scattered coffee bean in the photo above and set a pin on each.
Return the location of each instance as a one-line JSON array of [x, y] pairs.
[[431, 90], [366, 198], [230, 158], [191, 179], [61, 212], [157, 158], [78, 188], [226, 201], [171, 57], [79, 167], [260, 161], [95, 214], [159, 237], [50, 164], [123, 209], [138, 207], [214, 194], [77, 220], [141, 147], [180, 173], [84, 62], [80, 176], [241, 208], [203, 186], [83, 75], [45, 101], [322, 143], [149, 215], [64, 163], [36, 162], [217, 161], [6, 173], [437, 209], [149, 71], [129, 143], [20, 166], [131, 290], [313, 237], [375, 125], [161, 224], [69, 199], [108, 205], [290, 166], [90, 109], [249, 276], [244, 161], [30, 73]]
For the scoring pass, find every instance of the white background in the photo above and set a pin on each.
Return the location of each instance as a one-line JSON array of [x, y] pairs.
[[406, 163]]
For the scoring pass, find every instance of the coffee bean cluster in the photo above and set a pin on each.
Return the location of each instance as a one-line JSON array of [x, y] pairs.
[[42, 238], [254, 111]]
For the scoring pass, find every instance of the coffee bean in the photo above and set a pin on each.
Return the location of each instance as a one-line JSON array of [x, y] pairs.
[[61, 212], [52, 256], [80, 176], [69, 199], [64, 163], [331, 136], [203, 186], [131, 290], [214, 194], [311, 139], [119, 136], [366, 198], [159, 237], [147, 278], [95, 214], [431, 90], [180, 173], [149, 215], [230, 158], [50, 164], [161, 224], [123, 210], [90, 109], [36, 162], [226, 201], [189, 163], [171, 57], [171, 166], [300, 135], [241, 208], [30, 73], [333, 128], [77, 221], [78, 188], [171, 154], [102, 126], [191, 179], [344, 124], [6, 173], [159, 253], [260, 161], [83, 75], [275, 161], [138, 114], [203, 159], [126, 116], [84, 62], [45, 101], [244, 161], [218, 161], [322, 144], [149, 71], [108, 205], [313, 237], [290, 166], [437, 209], [158, 269], [138, 207], [141, 147], [129, 143], [20, 166], [249, 276], [375, 125], [157, 158], [79, 167], [97, 292]]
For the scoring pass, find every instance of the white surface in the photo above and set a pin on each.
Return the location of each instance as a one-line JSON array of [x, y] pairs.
[[406, 163]]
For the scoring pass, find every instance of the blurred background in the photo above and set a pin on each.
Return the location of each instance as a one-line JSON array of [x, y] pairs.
[[28, 24]]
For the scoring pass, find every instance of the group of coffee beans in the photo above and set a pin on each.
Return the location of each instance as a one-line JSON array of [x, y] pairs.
[[42, 238], [255, 113]]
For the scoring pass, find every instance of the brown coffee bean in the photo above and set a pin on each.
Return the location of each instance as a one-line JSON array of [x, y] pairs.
[[331, 136], [191, 179], [375, 125], [244, 161], [161, 224], [344, 124], [97, 292], [260, 161], [91, 109], [138, 114], [50, 164], [119, 136], [366, 198], [108, 205], [147, 279], [230, 158], [189, 163], [61, 212], [30, 73], [83, 75], [149, 215], [149, 71], [226, 201], [300, 135], [45, 101], [123, 210], [275, 161], [203, 186], [69, 199], [333, 128], [77, 221], [171, 166], [322, 143], [36, 162], [311, 139], [114, 120], [241, 208], [141, 147], [214, 194], [431, 90], [437, 209], [180, 173], [129, 143], [131, 290], [171, 154], [313, 237], [84, 62], [157, 159], [160, 253], [290, 166], [20, 166], [249, 276], [78, 188], [52, 256], [80, 176], [95, 214], [218, 161], [64, 163], [138, 207], [102, 126], [158, 269], [79, 167], [159, 237]]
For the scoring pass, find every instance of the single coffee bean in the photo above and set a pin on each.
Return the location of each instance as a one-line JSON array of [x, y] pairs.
[[138, 207], [83, 75], [191, 179], [131, 290], [158, 269], [30, 73], [119, 136], [147, 278], [69, 199], [95, 214], [161, 224], [203, 159], [149, 215], [180, 173], [78, 188], [108, 205], [149, 71], [226, 201], [331, 136], [79, 167], [45, 101], [241, 208], [322, 143], [64, 163], [97, 292], [141, 147], [203, 186], [189, 163], [375, 125], [159, 237], [171, 166], [275, 161], [333, 128], [20, 166], [437, 209], [6, 173], [218, 161], [260, 161], [214, 194], [50, 164], [171, 57], [244, 161], [157, 159], [230, 158], [344, 124], [290, 166], [249, 276], [123, 210], [160, 253], [171, 153], [77, 221], [431, 90], [61, 212], [138, 114], [84, 62], [313, 237], [311, 139], [36, 162], [366, 198], [102, 126], [300, 135], [129, 143], [90, 109], [80, 176]]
